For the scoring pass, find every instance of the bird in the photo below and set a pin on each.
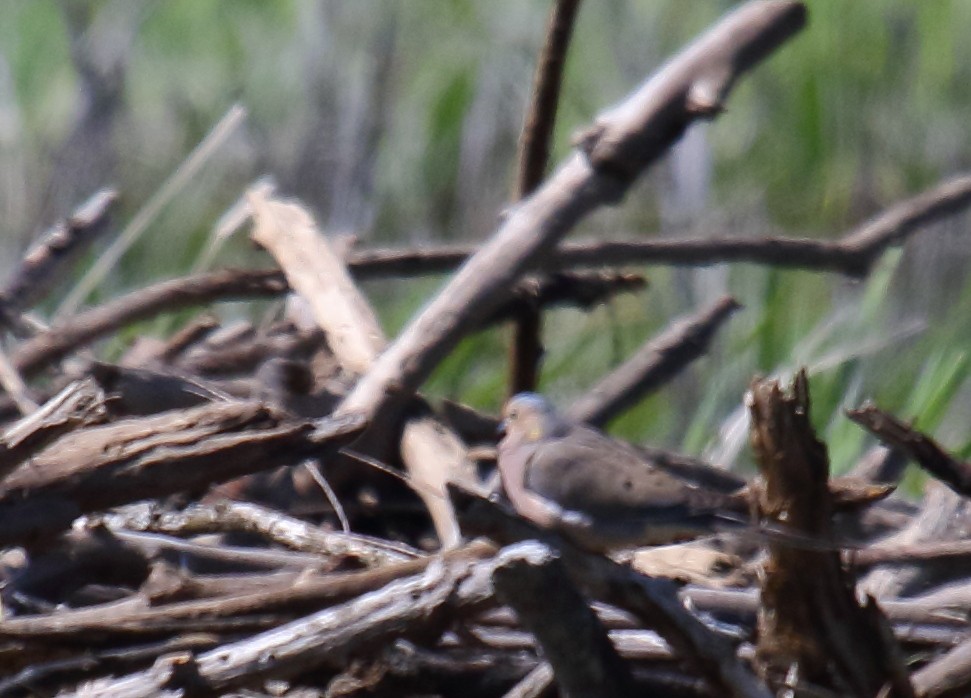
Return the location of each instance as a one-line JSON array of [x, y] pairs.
[[600, 492]]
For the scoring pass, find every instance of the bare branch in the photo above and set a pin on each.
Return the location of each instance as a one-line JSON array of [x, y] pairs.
[[624, 141], [854, 254], [534, 151], [926, 452], [657, 362]]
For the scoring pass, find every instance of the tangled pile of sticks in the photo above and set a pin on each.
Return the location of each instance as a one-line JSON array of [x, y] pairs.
[[212, 514]]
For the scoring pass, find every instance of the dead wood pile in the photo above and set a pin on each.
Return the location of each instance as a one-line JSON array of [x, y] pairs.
[[274, 509]]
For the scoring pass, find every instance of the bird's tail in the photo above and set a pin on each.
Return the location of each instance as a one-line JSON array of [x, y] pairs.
[[737, 524]]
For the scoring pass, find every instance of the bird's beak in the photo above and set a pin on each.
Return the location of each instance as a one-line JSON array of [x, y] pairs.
[[502, 428]]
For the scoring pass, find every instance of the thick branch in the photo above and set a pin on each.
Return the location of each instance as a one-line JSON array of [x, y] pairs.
[[812, 620], [152, 457], [530, 578], [625, 141]]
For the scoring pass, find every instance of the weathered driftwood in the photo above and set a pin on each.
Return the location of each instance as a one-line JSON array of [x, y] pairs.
[[432, 454], [623, 142], [134, 459], [278, 527], [531, 579], [653, 601], [413, 605]]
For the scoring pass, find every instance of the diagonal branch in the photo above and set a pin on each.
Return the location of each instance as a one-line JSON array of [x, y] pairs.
[[625, 140], [659, 360], [926, 452]]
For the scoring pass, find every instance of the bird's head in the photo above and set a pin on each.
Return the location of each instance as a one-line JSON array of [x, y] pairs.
[[529, 417]]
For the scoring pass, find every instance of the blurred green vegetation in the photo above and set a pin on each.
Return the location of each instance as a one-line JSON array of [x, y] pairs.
[[397, 120]]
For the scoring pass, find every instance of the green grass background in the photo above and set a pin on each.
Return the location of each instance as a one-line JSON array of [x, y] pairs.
[[396, 120]]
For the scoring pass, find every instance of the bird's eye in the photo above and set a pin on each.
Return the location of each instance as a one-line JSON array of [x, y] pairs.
[[513, 414]]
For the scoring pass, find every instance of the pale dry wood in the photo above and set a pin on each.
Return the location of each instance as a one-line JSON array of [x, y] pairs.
[[14, 385], [535, 684], [433, 454], [624, 142], [278, 527], [329, 637], [654, 602], [949, 675]]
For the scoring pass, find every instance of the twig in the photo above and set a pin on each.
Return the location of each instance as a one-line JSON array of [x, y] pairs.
[[578, 289], [276, 526], [949, 675], [39, 267], [534, 152], [659, 360], [80, 404], [195, 331], [13, 384], [926, 452], [136, 617], [854, 254], [535, 684], [312, 467], [29, 677], [66, 335], [537, 134], [947, 552], [625, 141], [407, 606], [530, 578]]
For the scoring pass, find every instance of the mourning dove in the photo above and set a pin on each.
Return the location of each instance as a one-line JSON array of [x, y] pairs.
[[600, 492]]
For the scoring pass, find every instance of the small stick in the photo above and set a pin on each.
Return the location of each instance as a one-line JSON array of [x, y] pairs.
[[657, 362], [926, 452], [40, 266], [312, 467], [526, 349], [13, 384]]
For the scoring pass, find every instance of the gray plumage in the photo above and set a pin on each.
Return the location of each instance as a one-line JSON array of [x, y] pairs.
[[599, 491]]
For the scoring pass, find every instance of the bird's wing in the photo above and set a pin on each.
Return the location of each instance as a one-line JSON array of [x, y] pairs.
[[586, 471]]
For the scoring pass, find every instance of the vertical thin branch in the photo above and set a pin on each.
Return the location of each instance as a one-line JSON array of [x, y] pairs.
[[526, 348]]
